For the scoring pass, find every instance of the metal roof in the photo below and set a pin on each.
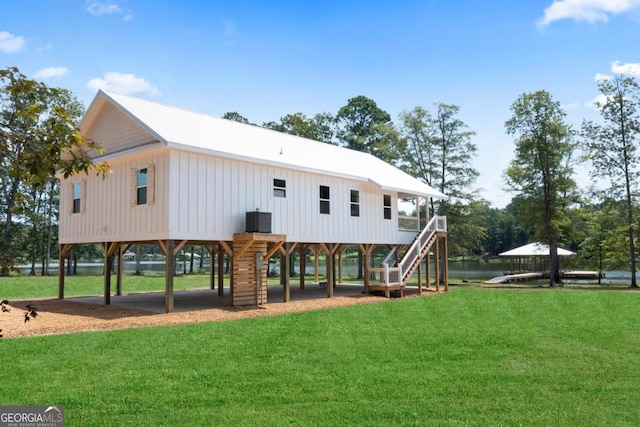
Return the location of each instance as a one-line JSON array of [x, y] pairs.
[[180, 128], [534, 249]]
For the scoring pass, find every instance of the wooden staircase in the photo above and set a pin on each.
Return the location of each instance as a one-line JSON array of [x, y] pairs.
[[394, 278]]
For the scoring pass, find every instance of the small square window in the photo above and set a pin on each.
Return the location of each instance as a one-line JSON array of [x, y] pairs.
[[77, 196], [387, 206], [279, 188], [141, 187], [355, 203], [324, 192], [142, 195], [325, 204]]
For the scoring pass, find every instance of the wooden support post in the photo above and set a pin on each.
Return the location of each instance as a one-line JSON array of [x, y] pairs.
[[340, 253], [316, 264], [427, 264], [366, 260], [329, 266], [64, 251], [366, 250], [330, 250], [445, 257], [212, 267], [61, 274], [436, 263], [220, 270], [170, 266], [108, 266], [284, 272], [302, 250], [109, 249], [119, 271], [420, 277]]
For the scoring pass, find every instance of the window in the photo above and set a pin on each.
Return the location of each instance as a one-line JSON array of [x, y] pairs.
[[142, 186], [279, 188], [77, 197], [387, 206], [355, 203], [325, 207]]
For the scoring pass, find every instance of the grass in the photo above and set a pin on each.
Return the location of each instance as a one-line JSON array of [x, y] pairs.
[[24, 287], [469, 357]]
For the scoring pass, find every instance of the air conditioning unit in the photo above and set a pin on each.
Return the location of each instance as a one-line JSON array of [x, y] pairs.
[[258, 222]]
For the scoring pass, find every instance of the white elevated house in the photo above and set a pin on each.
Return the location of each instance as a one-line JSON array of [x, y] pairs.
[[180, 177]]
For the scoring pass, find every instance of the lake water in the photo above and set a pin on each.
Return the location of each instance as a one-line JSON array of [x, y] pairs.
[[457, 270]]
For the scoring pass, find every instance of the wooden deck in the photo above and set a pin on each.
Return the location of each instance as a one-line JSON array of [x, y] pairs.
[[387, 289], [581, 275]]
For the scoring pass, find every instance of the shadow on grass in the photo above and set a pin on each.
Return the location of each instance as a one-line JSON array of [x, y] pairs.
[[74, 308]]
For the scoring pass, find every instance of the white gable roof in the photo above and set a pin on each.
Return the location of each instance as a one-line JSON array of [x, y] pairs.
[[192, 131], [534, 249]]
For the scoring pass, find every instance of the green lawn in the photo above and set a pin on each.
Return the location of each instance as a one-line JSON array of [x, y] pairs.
[[24, 287], [469, 357]]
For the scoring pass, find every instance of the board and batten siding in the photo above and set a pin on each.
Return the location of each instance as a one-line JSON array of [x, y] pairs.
[[204, 197], [209, 197], [108, 214]]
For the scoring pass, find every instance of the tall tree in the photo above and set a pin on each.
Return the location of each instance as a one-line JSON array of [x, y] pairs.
[[613, 149], [602, 243], [37, 138], [542, 170], [357, 123], [319, 127], [438, 149]]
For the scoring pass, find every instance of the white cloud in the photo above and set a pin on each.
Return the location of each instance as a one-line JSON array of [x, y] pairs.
[[98, 8], [47, 73], [601, 99], [570, 106], [10, 43], [599, 76], [125, 84], [629, 68], [586, 10]]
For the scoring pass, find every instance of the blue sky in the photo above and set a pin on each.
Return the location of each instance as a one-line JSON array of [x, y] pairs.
[[269, 59]]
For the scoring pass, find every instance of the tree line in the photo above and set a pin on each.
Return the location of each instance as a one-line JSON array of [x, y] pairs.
[[39, 136]]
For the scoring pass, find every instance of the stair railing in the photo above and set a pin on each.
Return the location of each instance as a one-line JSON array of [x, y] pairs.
[[396, 275]]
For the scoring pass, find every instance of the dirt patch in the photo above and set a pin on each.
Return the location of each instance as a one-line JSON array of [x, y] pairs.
[[62, 316]]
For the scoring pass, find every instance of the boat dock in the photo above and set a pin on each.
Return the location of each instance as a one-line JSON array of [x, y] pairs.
[[518, 277]]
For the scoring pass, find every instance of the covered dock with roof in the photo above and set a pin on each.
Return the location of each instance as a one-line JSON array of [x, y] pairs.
[[530, 258], [531, 262]]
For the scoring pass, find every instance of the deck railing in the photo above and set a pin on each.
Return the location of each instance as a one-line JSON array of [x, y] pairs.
[[398, 275]]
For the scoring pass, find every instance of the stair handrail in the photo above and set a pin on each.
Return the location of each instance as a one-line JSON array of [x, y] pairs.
[[389, 255], [435, 224]]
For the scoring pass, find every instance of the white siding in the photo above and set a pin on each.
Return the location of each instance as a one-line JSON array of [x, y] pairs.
[[108, 215], [213, 195]]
